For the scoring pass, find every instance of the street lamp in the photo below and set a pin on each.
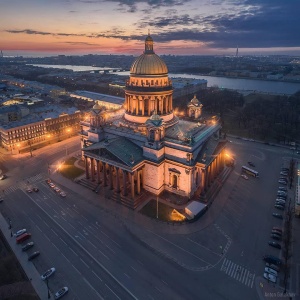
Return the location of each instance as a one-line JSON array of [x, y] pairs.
[[48, 288], [156, 207]]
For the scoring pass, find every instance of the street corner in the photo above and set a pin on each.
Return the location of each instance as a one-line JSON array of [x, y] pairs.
[[268, 290]]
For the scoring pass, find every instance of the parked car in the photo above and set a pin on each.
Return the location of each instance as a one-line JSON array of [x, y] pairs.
[[56, 189], [278, 216], [272, 260], [276, 236], [281, 207], [61, 292], [35, 189], [282, 181], [283, 173], [48, 180], [279, 202], [276, 232], [282, 188], [1, 199], [63, 194], [274, 244], [52, 185], [270, 277], [277, 228], [20, 232], [274, 267], [281, 193], [3, 176], [27, 246], [281, 197], [48, 273], [29, 190], [244, 176], [285, 169], [271, 271], [33, 255]]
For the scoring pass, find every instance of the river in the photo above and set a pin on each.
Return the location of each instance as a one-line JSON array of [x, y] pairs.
[[261, 86]]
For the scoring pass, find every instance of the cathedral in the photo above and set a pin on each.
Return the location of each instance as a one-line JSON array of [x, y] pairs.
[[143, 146]]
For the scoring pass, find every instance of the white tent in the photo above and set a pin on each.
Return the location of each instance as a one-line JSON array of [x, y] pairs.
[[194, 209]]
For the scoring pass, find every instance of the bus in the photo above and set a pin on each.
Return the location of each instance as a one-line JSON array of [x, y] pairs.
[[23, 237], [250, 171]]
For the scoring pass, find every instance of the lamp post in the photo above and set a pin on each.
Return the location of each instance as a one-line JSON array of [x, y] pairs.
[[48, 288], [156, 207]]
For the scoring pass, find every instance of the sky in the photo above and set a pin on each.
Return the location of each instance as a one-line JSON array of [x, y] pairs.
[[178, 27]]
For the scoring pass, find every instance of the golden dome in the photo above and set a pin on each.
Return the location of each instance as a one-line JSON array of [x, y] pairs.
[[149, 63]]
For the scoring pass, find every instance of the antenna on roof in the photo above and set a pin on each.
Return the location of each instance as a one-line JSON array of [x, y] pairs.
[[237, 51]]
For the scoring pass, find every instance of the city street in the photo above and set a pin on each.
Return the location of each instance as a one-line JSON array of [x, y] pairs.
[[104, 251]]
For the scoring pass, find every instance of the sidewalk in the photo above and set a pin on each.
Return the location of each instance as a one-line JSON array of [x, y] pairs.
[[29, 268], [268, 290]]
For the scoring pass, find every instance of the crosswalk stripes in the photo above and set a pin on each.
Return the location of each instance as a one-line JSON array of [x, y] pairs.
[[238, 272], [22, 185]]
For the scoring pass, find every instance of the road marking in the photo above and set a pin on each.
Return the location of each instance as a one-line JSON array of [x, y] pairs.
[[92, 244], [110, 249], [76, 269], [63, 241], [238, 272], [92, 287], [71, 225], [158, 289], [140, 262], [65, 257], [181, 248], [64, 219], [38, 228], [133, 268], [203, 246], [112, 291], [73, 251], [97, 276], [56, 247], [103, 254], [127, 275], [164, 282], [54, 232], [84, 263], [46, 224]]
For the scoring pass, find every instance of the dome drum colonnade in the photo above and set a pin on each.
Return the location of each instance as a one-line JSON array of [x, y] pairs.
[[149, 88]]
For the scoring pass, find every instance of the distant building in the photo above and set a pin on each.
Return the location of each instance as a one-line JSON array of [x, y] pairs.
[[108, 101], [21, 130]]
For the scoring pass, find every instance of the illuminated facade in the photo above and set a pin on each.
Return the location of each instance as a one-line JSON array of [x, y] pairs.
[[148, 148], [25, 135]]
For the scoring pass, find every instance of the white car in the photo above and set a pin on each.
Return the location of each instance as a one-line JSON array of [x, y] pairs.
[[61, 292], [268, 276], [48, 273], [20, 232], [63, 194], [271, 271], [244, 176]]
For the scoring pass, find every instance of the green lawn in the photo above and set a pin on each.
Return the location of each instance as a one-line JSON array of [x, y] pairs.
[[165, 212], [69, 170]]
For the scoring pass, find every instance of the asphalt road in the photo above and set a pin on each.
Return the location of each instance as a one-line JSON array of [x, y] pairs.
[[98, 258]]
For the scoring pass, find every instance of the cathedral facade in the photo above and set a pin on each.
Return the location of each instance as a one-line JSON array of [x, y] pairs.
[[144, 146]]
